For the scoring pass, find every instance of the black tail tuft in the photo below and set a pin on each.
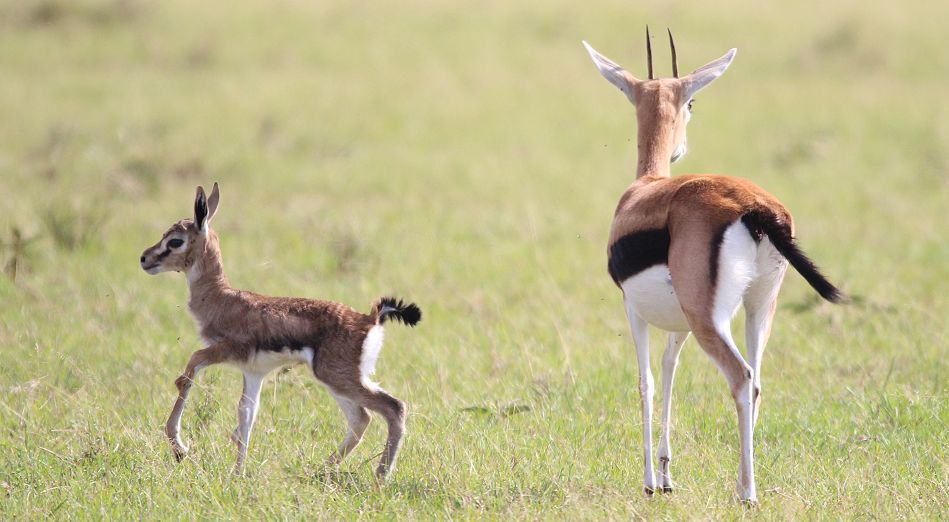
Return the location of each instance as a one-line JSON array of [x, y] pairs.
[[408, 313], [779, 232]]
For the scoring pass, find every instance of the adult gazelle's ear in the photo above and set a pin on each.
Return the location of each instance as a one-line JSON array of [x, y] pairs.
[[699, 78], [201, 210], [613, 73]]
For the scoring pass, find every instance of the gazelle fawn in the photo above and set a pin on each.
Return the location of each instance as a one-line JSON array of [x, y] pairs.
[[259, 334], [687, 251]]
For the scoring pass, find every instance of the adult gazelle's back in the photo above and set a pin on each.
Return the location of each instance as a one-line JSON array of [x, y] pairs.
[[687, 251]]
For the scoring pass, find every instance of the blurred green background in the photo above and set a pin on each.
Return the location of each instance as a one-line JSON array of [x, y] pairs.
[[468, 156]]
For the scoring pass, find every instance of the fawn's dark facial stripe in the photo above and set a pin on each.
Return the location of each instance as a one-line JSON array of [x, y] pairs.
[[633, 253]]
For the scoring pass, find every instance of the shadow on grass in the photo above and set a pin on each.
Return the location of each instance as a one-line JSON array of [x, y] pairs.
[[812, 301], [363, 481], [497, 410], [331, 479]]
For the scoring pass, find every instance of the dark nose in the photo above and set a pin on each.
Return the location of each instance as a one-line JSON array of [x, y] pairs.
[[142, 260]]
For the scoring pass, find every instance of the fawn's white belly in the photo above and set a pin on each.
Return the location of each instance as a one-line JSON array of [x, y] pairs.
[[263, 362], [651, 295]]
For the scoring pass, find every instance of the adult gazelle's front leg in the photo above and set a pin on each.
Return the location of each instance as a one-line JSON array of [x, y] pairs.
[[247, 409], [201, 359], [670, 360], [640, 332]]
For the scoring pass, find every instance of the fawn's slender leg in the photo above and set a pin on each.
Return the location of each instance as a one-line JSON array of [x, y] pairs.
[[247, 409], [200, 360], [393, 411], [357, 420]]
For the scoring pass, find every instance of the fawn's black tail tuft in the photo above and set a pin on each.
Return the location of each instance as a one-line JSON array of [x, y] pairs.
[[779, 232], [387, 307]]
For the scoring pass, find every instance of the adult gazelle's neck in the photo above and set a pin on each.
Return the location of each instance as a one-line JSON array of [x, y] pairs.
[[655, 144]]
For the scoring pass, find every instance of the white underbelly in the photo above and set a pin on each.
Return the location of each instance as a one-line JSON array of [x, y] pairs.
[[651, 295], [263, 362]]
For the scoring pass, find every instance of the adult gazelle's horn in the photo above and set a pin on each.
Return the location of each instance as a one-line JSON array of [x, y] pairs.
[[648, 53], [675, 61]]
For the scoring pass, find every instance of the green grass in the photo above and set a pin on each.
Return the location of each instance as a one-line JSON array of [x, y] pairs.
[[466, 156]]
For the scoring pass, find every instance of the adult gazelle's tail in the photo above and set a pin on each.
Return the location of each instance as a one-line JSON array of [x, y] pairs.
[[778, 231]]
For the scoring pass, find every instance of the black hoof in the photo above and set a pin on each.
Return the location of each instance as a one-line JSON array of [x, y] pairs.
[[179, 452], [648, 491], [666, 489]]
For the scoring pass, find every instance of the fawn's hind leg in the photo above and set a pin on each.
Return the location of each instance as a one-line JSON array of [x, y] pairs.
[[393, 411], [367, 396], [357, 418]]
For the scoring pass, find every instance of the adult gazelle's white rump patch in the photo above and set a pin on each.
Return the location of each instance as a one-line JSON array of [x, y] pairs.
[[736, 270], [371, 347]]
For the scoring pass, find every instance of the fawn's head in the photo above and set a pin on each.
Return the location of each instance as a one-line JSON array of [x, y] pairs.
[[663, 105], [185, 242]]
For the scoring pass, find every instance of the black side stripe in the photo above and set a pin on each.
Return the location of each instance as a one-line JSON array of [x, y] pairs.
[[633, 253], [714, 251]]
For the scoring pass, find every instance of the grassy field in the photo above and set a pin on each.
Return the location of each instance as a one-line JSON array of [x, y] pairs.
[[469, 157]]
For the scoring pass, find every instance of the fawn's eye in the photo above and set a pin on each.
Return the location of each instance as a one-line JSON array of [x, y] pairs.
[[175, 243], [690, 104]]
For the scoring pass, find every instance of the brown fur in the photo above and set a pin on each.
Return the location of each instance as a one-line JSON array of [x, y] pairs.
[[238, 325], [693, 208], [654, 201], [656, 147], [695, 211], [247, 321]]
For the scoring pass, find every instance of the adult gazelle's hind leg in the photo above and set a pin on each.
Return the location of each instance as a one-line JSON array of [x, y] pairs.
[[760, 303], [200, 360], [722, 350], [709, 300], [247, 409], [757, 330], [670, 360], [640, 332], [357, 420]]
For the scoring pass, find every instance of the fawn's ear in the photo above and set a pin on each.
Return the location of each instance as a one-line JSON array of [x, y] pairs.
[[213, 201], [201, 210], [613, 73], [699, 78]]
